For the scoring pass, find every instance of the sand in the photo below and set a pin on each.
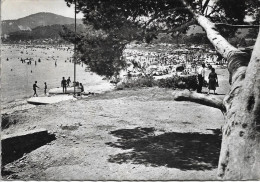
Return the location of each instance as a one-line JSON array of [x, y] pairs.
[[135, 134]]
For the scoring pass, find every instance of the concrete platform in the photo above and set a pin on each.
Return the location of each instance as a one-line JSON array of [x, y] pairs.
[[49, 100]]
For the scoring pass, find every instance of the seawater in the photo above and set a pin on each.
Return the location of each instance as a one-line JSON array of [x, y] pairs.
[[17, 78]]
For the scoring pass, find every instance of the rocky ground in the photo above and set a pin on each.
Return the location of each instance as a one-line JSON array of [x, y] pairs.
[[136, 134]]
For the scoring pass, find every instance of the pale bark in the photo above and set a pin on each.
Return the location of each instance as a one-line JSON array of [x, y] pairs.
[[235, 57], [208, 100], [240, 151]]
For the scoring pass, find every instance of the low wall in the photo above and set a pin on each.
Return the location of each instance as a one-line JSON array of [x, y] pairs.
[[15, 145]]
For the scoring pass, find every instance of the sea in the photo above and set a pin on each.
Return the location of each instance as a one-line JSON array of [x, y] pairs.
[[48, 64]]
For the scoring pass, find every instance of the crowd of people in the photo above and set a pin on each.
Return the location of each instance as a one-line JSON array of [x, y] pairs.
[[168, 62], [162, 63], [66, 83]]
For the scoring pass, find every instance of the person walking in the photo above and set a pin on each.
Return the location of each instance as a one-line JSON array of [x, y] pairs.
[[68, 82], [64, 85], [45, 88], [213, 80], [34, 89], [201, 77]]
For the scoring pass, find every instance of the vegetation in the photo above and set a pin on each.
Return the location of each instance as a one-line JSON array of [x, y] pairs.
[[127, 21], [143, 81], [175, 82], [42, 32], [189, 82]]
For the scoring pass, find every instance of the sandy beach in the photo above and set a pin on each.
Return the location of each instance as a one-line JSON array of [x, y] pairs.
[[135, 134], [17, 77]]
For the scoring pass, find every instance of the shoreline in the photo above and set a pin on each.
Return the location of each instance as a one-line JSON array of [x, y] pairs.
[[21, 104]]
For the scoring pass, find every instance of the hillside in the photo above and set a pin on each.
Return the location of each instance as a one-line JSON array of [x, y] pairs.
[[32, 21], [43, 32]]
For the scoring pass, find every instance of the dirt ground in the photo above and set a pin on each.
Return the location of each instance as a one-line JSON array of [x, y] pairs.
[[136, 134]]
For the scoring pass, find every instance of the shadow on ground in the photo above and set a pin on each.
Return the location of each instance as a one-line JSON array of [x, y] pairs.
[[185, 151]]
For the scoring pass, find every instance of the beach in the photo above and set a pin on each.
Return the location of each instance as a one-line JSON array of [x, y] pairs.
[[133, 134], [48, 64]]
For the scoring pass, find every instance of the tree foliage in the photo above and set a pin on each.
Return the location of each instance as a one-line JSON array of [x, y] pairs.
[[122, 22]]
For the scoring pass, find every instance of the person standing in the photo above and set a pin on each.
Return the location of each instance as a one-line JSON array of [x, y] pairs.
[[81, 87], [201, 77], [64, 85], [45, 88], [68, 82], [34, 89], [213, 80]]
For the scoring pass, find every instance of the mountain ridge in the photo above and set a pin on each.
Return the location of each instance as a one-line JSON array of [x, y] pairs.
[[36, 20]]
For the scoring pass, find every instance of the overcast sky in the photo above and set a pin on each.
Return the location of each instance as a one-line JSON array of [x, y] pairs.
[[14, 9]]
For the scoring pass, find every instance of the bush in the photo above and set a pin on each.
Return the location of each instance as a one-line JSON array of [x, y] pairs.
[[191, 82], [168, 82], [188, 82], [143, 81]]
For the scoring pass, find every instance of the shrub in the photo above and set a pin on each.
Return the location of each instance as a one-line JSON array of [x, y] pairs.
[[188, 82], [168, 82], [191, 82], [143, 81]]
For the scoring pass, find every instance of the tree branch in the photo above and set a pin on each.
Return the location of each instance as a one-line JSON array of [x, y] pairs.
[[156, 15], [219, 42], [236, 26], [183, 26], [213, 11], [235, 57], [208, 100], [204, 6]]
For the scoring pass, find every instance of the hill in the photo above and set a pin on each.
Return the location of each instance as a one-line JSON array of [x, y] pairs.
[[42, 32], [35, 20], [50, 33]]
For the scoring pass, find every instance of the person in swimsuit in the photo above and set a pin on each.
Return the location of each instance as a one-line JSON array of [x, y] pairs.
[[34, 89], [64, 85]]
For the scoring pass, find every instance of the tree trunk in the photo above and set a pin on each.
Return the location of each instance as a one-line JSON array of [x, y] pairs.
[[240, 150]]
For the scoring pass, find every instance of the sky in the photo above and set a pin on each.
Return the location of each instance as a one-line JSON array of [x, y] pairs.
[[14, 9]]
